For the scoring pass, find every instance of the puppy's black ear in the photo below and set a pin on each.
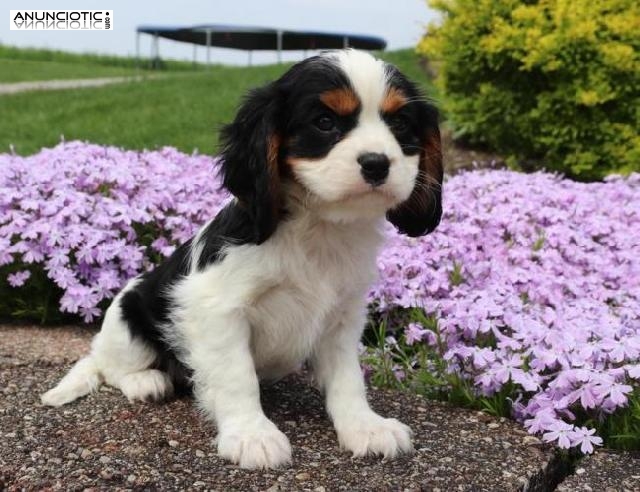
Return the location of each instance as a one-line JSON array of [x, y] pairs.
[[249, 168], [420, 213]]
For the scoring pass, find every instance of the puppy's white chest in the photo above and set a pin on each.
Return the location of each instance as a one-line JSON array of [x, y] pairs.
[[302, 301], [289, 317]]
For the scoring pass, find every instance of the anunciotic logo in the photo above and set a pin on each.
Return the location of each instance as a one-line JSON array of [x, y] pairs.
[[61, 20]]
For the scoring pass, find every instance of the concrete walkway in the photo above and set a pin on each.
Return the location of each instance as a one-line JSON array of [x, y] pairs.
[[52, 85], [103, 441], [605, 471]]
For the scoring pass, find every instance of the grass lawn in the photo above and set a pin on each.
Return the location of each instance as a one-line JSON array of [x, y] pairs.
[[183, 109], [28, 64], [28, 70]]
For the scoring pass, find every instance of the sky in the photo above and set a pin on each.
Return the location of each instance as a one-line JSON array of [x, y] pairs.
[[400, 22]]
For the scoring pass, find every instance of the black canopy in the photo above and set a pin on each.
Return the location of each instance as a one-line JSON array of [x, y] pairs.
[[258, 38]]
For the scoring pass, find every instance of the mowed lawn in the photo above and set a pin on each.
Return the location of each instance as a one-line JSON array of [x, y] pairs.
[[30, 64], [181, 109], [29, 70]]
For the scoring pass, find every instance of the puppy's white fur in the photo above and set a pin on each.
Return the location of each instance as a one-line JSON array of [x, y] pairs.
[[267, 308]]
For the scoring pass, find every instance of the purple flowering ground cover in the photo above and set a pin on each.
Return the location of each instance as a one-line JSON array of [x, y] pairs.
[[93, 217], [526, 297]]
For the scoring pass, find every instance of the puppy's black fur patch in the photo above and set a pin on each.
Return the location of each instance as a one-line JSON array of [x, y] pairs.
[[232, 226], [146, 308]]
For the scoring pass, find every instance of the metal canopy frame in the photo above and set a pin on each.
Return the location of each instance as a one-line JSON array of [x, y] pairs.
[[254, 39]]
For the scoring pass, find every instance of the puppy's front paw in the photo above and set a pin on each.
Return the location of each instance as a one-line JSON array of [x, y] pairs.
[[369, 433], [259, 444]]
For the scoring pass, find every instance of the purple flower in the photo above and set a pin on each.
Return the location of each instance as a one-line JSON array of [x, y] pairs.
[[505, 367], [414, 333], [634, 371], [398, 372], [544, 420], [617, 393], [583, 437], [483, 357], [18, 279], [74, 211], [560, 432], [588, 396]]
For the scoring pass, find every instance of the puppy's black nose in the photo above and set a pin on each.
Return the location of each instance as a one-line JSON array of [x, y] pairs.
[[374, 167]]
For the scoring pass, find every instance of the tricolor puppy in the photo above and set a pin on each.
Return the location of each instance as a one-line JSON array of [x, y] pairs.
[[315, 161]]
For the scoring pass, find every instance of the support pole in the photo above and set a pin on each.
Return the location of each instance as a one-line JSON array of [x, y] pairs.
[[345, 42], [208, 47], [155, 51], [137, 49], [250, 58], [158, 51], [279, 46], [194, 54], [152, 54]]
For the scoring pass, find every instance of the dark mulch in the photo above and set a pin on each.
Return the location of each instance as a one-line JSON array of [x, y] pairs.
[[458, 157]]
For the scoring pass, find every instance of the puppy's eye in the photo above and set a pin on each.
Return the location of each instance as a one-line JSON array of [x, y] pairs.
[[324, 123], [399, 123]]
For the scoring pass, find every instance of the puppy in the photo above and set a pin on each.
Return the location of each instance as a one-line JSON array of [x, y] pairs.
[[315, 161]]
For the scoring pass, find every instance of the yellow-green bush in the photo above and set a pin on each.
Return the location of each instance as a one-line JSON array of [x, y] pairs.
[[556, 82]]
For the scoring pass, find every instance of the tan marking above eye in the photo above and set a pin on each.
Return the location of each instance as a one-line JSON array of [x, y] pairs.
[[393, 100], [341, 101]]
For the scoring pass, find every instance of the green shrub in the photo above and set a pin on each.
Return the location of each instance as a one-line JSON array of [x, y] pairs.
[[556, 82]]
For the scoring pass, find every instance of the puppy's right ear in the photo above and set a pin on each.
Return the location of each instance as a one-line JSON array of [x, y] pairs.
[[421, 213], [249, 168]]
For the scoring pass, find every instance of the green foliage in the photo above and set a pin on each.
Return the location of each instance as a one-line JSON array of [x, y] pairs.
[[456, 277], [35, 301], [555, 82], [622, 430], [422, 368]]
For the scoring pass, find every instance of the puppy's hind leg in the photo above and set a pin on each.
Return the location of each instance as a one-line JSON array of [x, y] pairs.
[[127, 361], [147, 385], [117, 358], [83, 378], [87, 374]]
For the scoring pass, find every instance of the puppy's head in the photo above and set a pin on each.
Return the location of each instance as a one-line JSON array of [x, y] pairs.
[[352, 131]]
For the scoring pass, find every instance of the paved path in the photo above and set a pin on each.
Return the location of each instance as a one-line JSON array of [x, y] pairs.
[[102, 441], [605, 472], [52, 85]]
